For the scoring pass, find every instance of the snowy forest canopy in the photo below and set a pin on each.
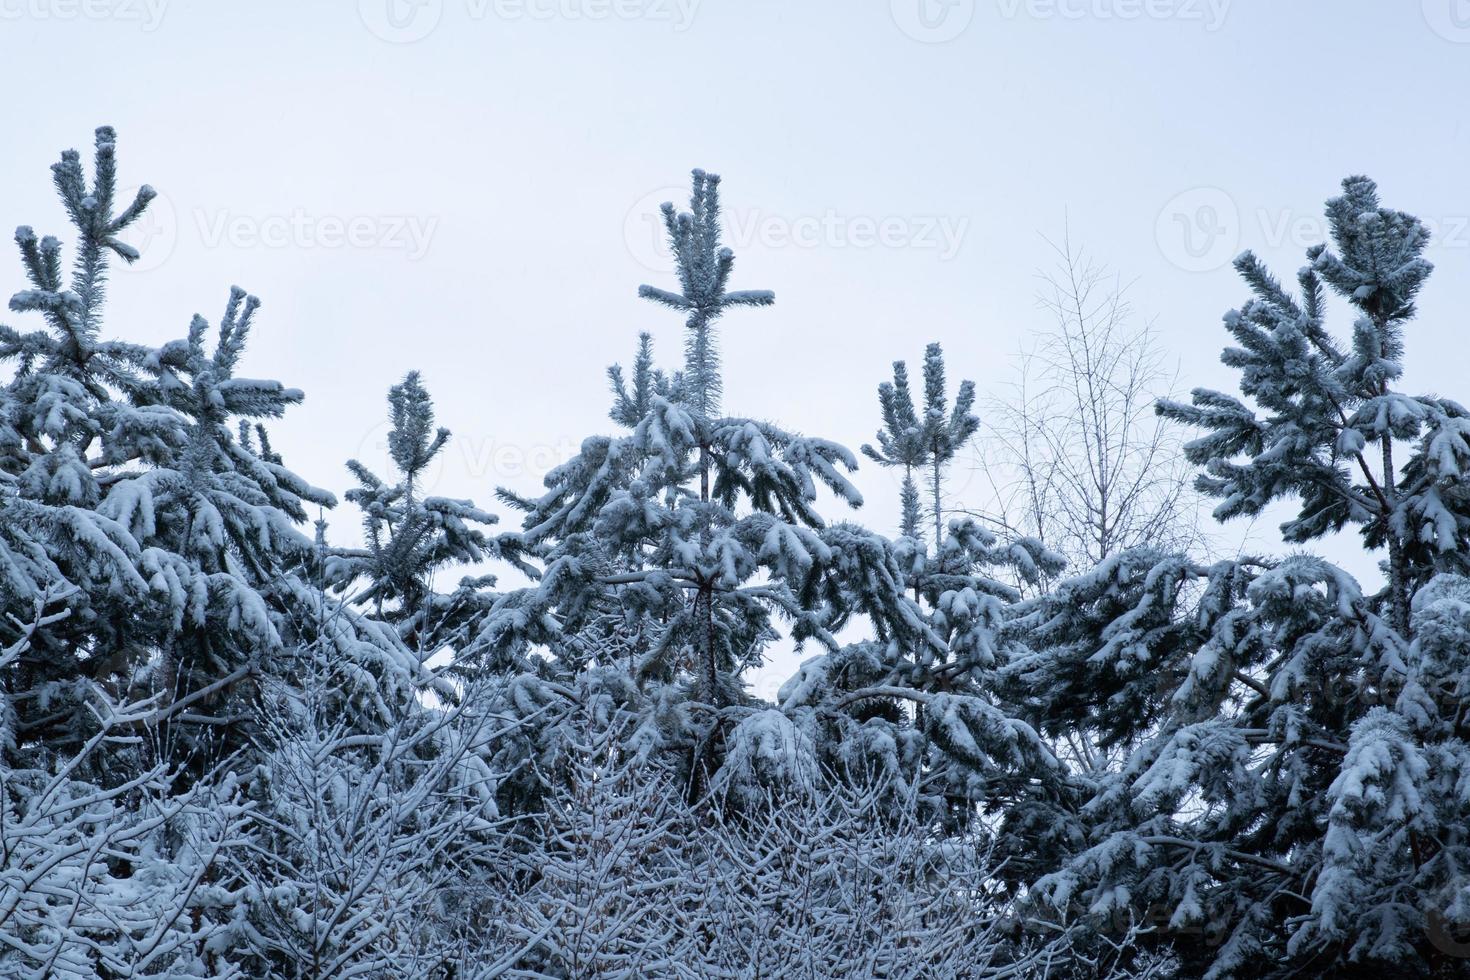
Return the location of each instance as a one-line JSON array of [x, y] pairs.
[[1059, 737]]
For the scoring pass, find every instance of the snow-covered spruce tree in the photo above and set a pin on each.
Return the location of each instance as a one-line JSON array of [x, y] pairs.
[[946, 429], [219, 522], [61, 424], [687, 539], [1335, 420], [696, 532], [920, 708], [410, 536], [1292, 799], [703, 267], [150, 557], [218, 525], [129, 498], [913, 443]]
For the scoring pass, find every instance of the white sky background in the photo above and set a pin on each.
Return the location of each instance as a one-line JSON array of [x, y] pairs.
[[499, 164]]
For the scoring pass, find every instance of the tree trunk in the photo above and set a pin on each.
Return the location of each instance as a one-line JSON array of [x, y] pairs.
[[704, 600], [1398, 564], [938, 510]]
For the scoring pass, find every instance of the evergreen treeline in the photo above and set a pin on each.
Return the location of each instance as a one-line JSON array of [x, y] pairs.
[[231, 748]]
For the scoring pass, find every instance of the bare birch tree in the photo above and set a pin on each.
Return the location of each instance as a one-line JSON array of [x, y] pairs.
[[1076, 455]]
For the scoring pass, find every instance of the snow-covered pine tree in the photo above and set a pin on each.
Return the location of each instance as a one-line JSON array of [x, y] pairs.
[[1334, 420], [1291, 799], [918, 707], [699, 531], [124, 500], [946, 428], [410, 536], [703, 267], [218, 523], [164, 548], [696, 532], [901, 442], [913, 443], [64, 420]]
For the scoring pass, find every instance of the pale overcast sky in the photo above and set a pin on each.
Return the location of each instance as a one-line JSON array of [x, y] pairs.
[[468, 186]]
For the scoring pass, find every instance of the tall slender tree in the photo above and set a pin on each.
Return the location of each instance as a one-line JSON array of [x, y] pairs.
[[901, 443], [153, 576], [909, 441], [174, 544], [946, 428], [703, 267]]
